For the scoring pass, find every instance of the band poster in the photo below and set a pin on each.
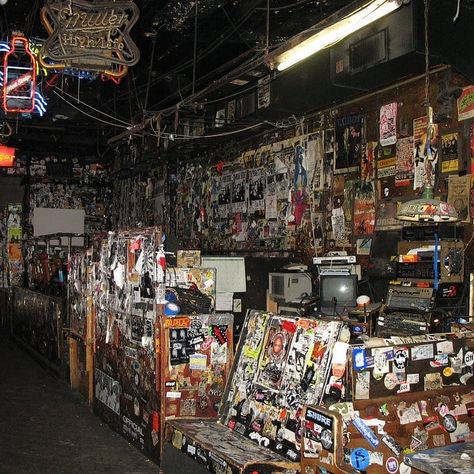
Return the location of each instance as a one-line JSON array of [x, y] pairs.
[[349, 135], [449, 152], [388, 124], [364, 208], [425, 160], [404, 173]]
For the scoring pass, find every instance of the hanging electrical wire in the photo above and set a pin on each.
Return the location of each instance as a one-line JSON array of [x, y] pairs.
[[89, 115], [93, 108]]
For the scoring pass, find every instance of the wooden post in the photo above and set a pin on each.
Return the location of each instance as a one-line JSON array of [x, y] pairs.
[[73, 366]]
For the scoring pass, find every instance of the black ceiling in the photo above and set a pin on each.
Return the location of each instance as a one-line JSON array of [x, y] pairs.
[[83, 115]]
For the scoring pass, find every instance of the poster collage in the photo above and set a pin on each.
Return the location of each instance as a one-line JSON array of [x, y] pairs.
[[331, 188]]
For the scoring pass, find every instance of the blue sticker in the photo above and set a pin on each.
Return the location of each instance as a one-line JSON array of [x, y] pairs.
[[390, 355], [366, 432], [369, 362], [360, 459], [358, 357]]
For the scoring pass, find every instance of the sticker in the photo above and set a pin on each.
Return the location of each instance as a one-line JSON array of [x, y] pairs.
[[198, 361], [366, 432], [392, 445], [438, 440], [326, 439], [173, 394], [404, 387], [376, 458], [369, 362], [461, 433], [422, 352], [469, 358], [381, 359], [358, 357], [404, 468], [362, 388], [360, 459], [413, 378], [448, 371], [400, 358], [433, 381], [390, 381], [176, 323], [444, 347], [439, 360], [450, 424], [339, 358], [392, 465]]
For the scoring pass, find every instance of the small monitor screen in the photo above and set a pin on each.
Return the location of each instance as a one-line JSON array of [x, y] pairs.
[[340, 290], [277, 286]]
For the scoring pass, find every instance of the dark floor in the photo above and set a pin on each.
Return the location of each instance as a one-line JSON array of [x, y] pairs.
[[46, 428]]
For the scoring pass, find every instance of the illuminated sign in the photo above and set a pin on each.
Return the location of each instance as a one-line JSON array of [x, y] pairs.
[[40, 101], [90, 35], [19, 77], [7, 156]]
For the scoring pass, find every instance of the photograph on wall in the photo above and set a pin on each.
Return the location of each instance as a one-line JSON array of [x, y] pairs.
[[404, 167], [107, 391], [239, 192], [364, 208], [449, 152], [349, 135], [257, 190], [425, 152], [388, 124], [459, 190]]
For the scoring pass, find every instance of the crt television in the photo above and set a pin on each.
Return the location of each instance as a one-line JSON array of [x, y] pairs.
[[337, 292], [289, 286]]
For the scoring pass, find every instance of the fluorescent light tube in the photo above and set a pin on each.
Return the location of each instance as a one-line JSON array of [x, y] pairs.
[[365, 15]]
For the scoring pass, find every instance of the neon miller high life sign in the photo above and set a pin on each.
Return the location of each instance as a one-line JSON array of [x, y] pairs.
[[89, 35]]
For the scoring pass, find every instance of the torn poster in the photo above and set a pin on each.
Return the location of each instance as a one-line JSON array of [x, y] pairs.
[[337, 223], [315, 153]]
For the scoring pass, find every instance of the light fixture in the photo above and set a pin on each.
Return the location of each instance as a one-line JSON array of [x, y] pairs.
[[354, 21], [426, 208]]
